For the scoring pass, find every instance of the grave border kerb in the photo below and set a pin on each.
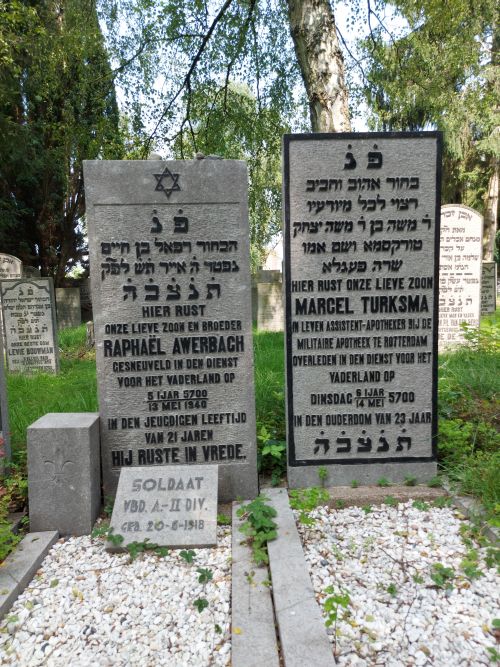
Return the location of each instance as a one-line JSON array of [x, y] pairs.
[[293, 462]]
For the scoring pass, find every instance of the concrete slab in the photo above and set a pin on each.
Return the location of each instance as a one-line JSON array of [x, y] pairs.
[[302, 631], [20, 566], [253, 641], [374, 495]]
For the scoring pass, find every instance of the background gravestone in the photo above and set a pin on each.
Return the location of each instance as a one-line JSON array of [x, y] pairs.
[[68, 307], [169, 259], [86, 300], [10, 267], [28, 309], [488, 288], [361, 239], [270, 311], [459, 272], [5, 456], [172, 506]]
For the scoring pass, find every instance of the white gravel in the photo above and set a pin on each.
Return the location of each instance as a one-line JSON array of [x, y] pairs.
[[419, 623], [87, 607]]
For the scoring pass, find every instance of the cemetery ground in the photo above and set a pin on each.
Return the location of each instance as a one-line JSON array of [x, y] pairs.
[[411, 582]]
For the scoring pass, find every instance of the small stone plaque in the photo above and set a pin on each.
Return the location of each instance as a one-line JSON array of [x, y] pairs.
[[459, 272], [489, 288], [361, 243], [28, 308], [10, 267], [174, 506], [170, 274]]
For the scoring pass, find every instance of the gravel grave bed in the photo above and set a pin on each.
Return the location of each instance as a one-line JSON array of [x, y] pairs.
[[88, 607], [394, 613]]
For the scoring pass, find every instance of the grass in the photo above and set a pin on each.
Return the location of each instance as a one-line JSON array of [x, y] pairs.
[[74, 389], [469, 389]]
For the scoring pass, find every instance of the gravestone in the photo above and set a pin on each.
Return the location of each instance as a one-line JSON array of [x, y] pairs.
[[173, 506], [31, 272], [361, 239], [10, 267], [68, 307], [64, 482], [270, 311], [169, 258], [86, 300], [30, 328], [5, 449], [488, 288], [459, 272]]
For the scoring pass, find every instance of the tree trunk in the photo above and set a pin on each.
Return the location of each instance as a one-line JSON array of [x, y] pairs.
[[312, 25], [491, 214]]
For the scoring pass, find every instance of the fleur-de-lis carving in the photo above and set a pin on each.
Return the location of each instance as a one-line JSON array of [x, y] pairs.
[[60, 471]]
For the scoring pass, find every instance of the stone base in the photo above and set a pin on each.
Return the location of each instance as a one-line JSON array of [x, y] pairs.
[[64, 480], [365, 474]]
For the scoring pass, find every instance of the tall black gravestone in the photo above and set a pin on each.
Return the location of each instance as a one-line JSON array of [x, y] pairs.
[[361, 263]]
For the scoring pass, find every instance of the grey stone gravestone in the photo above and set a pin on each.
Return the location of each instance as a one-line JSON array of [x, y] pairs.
[[10, 267], [361, 238], [5, 450], [68, 307], [459, 272], [31, 272], [64, 482], [172, 506], [488, 288], [169, 258], [270, 311], [28, 309]]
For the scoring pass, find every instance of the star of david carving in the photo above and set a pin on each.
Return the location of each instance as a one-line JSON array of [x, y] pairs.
[[172, 182]]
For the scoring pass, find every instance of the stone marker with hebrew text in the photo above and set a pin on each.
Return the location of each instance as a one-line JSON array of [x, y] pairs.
[[169, 258], [488, 288], [361, 239], [172, 506], [459, 272], [10, 267], [28, 309]]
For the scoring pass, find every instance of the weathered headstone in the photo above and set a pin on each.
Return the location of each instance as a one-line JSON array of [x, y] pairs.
[[86, 300], [488, 288], [28, 308], [270, 311], [459, 272], [5, 450], [64, 482], [68, 307], [169, 258], [361, 239], [31, 272], [10, 267], [172, 506]]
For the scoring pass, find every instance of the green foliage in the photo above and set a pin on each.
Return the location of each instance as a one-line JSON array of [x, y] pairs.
[[322, 474], [187, 555], [383, 482], [308, 499], [392, 589], [410, 480], [205, 575], [442, 576], [271, 454], [367, 509], [200, 604], [441, 502], [258, 527], [470, 565], [336, 600], [435, 482], [354, 484], [390, 501], [421, 505], [223, 519], [58, 108]]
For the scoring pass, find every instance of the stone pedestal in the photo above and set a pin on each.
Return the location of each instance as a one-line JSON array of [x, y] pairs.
[[64, 482]]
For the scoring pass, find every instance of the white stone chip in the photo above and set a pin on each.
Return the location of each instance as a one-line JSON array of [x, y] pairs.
[[419, 623], [88, 607]]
